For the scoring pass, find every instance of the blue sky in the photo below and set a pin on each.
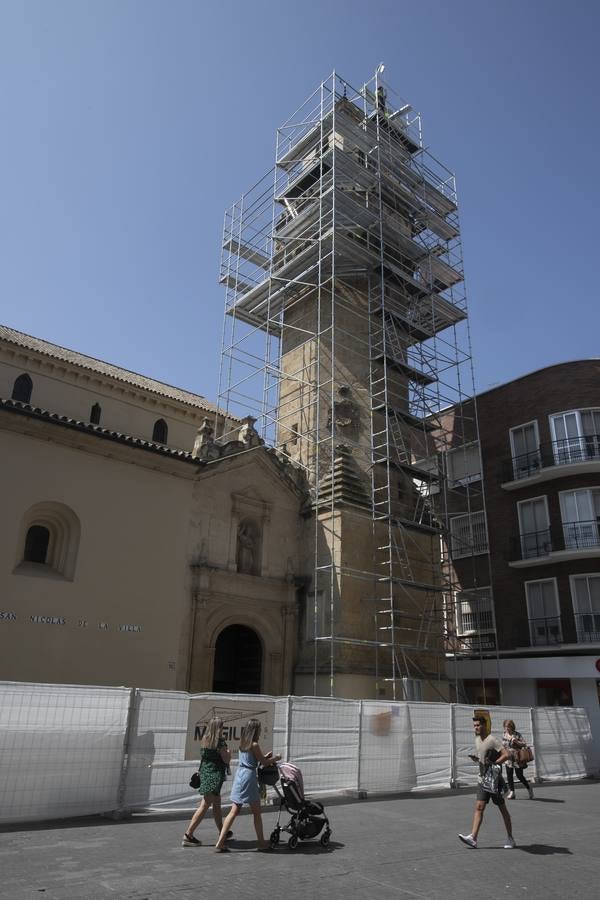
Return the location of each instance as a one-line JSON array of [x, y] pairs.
[[129, 126]]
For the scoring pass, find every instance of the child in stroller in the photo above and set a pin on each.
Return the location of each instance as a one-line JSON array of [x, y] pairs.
[[308, 817]]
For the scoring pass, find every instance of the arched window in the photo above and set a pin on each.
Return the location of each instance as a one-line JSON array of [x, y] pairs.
[[95, 414], [36, 544], [22, 388], [49, 537], [160, 432]]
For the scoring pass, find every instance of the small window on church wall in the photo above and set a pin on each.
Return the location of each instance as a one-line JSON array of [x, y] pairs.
[[95, 414], [248, 548], [160, 432], [48, 541], [36, 544], [22, 389]]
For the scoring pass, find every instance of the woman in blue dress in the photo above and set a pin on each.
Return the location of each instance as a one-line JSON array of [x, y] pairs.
[[245, 787]]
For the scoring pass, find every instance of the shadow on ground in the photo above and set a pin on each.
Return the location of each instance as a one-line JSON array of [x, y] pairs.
[[543, 849], [303, 848]]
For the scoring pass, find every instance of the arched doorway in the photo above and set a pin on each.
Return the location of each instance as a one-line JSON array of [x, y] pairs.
[[238, 661]]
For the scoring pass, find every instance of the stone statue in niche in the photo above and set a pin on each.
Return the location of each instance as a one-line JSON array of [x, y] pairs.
[[344, 416], [248, 546]]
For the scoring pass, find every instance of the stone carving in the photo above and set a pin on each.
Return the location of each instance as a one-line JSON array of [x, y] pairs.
[[204, 445], [248, 546], [248, 434]]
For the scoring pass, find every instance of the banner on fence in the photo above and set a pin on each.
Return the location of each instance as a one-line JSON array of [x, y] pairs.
[[235, 714]]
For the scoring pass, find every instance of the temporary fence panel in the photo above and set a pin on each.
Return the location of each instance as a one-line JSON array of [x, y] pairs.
[[155, 765], [563, 740], [387, 758], [61, 750], [432, 742], [157, 772], [324, 743]]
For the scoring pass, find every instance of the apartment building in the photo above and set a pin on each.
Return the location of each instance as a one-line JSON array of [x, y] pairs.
[[531, 635]]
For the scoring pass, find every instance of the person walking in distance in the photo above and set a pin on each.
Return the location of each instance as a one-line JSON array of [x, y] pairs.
[[489, 751], [245, 787], [512, 740], [214, 762]]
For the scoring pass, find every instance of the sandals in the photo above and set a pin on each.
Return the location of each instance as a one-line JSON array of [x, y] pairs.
[[222, 850]]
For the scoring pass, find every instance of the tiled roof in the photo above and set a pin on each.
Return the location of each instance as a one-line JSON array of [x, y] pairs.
[[25, 409], [20, 339]]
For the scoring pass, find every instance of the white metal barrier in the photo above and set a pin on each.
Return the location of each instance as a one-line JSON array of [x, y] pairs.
[[69, 750]]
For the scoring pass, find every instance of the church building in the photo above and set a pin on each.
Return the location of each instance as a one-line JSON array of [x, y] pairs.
[[136, 549]]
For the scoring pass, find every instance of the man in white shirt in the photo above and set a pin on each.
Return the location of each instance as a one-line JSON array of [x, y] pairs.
[[487, 744]]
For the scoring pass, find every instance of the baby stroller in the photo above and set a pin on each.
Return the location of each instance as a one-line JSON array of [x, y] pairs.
[[308, 817]]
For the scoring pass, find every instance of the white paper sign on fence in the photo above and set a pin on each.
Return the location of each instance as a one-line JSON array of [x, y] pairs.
[[235, 714]]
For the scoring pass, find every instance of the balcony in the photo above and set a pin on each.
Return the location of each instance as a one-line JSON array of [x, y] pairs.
[[569, 541], [588, 627], [545, 632], [475, 642], [556, 459]]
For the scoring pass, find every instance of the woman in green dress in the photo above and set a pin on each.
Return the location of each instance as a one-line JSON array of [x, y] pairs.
[[214, 762]]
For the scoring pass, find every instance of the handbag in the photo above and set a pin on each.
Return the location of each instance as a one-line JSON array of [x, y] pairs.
[[524, 756], [491, 779], [195, 781]]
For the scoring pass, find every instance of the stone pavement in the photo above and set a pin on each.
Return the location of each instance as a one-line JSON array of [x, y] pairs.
[[401, 847]]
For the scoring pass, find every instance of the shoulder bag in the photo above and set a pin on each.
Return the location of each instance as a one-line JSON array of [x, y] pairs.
[[524, 756]]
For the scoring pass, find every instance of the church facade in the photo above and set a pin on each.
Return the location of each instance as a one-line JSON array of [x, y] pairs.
[[138, 549]]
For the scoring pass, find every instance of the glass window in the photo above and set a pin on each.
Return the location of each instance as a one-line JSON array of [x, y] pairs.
[[464, 464], [525, 446], [468, 535], [580, 511], [95, 414], [37, 540], [474, 611], [576, 435], [534, 528], [554, 692], [160, 432], [22, 389], [543, 612], [585, 592]]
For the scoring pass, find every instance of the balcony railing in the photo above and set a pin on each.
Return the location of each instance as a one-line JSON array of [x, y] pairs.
[[584, 448], [473, 643], [545, 631], [571, 536], [588, 626]]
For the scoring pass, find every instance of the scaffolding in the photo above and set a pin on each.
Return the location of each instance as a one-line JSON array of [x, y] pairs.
[[346, 335]]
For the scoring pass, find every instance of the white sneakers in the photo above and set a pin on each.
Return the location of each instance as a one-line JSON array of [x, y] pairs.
[[510, 795], [469, 840]]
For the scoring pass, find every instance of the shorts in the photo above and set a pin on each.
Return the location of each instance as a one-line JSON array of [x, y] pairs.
[[497, 799]]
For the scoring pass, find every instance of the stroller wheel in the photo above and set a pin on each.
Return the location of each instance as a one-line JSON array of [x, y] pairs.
[[293, 842], [325, 839], [274, 838]]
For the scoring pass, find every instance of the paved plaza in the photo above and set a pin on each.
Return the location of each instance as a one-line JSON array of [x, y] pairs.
[[391, 847]]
